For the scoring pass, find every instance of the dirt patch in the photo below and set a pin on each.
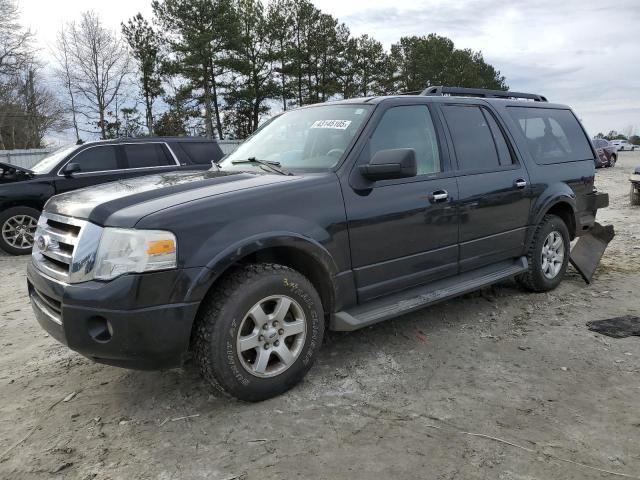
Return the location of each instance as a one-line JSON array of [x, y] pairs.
[[500, 384]]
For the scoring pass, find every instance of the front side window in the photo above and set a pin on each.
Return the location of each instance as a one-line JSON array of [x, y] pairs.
[[307, 138], [409, 127], [553, 135], [147, 155], [473, 140], [97, 159]]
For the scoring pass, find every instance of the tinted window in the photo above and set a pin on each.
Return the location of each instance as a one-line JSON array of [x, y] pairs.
[[147, 155], [472, 140], [553, 136], [409, 127], [504, 153], [202, 152], [97, 159]]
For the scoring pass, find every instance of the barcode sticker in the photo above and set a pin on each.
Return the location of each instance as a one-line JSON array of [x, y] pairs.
[[338, 124]]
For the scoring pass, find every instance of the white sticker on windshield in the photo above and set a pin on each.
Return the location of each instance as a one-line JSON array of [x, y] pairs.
[[339, 124]]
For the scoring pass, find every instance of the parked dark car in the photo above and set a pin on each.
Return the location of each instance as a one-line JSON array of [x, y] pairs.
[[606, 153], [23, 192], [334, 216]]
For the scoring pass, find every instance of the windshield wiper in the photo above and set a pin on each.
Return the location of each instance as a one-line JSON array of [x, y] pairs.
[[270, 164]]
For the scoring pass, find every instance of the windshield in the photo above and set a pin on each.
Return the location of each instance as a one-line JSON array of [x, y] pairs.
[[307, 138], [47, 163]]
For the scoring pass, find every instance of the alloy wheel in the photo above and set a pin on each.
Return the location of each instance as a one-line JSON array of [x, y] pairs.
[[18, 231], [271, 336], [552, 256]]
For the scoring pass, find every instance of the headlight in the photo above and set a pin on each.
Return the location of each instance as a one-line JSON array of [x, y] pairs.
[[134, 251]]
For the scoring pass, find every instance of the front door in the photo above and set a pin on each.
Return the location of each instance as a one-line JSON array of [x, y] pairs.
[[98, 164], [404, 232], [494, 187]]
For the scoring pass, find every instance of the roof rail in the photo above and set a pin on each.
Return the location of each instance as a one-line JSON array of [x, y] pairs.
[[480, 92]]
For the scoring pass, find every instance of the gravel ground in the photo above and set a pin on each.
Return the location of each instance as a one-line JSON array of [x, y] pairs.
[[500, 384]]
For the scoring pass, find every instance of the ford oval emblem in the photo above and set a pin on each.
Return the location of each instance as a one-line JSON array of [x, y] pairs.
[[43, 243]]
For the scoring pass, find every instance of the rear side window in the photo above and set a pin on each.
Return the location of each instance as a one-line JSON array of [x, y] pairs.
[[146, 155], [409, 127], [477, 140], [553, 135], [97, 159], [202, 152]]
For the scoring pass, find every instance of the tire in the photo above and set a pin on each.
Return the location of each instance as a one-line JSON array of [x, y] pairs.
[[226, 318], [17, 227], [634, 194], [612, 160], [544, 276]]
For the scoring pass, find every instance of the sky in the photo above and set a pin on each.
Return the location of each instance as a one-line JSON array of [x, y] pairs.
[[583, 53]]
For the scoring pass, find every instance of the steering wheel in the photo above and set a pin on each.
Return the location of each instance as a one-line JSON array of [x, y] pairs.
[[335, 152]]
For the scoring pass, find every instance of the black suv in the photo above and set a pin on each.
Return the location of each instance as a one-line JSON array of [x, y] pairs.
[[23, 192], [336, 216]]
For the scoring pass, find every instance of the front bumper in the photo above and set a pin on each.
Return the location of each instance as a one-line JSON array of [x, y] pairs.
[[133, 321]]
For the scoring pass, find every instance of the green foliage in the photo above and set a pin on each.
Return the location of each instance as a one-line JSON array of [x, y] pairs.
[[634, 139], [251, 65], [145, 43], [419, 62], [200, 35], [614, 135], [233, 59]]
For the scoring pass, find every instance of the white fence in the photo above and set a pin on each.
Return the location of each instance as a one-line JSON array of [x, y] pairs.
[[24, 158]]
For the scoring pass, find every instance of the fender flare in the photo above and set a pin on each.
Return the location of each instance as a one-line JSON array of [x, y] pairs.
[[239, 250]]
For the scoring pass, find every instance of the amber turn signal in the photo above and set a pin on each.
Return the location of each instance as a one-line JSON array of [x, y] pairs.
[[159, 247]]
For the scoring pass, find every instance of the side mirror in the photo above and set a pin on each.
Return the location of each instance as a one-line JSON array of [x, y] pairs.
[[390, 164], [71, 168]]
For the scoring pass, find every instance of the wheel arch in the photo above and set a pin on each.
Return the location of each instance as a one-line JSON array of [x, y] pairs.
[[563, 206], [567, 213], [300, 253]]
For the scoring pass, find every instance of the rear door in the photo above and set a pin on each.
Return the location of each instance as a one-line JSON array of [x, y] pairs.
[[98, 164], [148, 158], [404, 232], [495, 196]]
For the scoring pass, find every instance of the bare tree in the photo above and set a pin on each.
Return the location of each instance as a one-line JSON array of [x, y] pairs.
[[64, 73], [15, 42], [97, 62]]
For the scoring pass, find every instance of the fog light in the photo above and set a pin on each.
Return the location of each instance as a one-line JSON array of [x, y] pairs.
[[100, 329]]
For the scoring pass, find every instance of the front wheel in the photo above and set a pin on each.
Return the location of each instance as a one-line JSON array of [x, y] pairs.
[[259, 332], [612, 160], [17, 229], [548, 255]]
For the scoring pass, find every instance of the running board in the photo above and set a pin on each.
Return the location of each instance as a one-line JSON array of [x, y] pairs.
[[416, 298]]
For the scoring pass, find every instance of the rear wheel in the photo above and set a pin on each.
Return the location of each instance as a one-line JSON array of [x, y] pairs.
[[17, 229], [260, 332], [548, 255]]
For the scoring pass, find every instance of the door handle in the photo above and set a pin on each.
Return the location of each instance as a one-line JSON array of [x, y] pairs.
[[520, 183], [439, 196]]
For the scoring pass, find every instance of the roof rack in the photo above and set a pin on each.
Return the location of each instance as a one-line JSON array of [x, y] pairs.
[[480, 92]]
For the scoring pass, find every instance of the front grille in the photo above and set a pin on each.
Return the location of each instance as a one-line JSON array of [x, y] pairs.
[[55, 242]]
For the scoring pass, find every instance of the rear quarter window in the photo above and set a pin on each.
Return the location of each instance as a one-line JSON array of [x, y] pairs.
[[202, 152], [552, 135]]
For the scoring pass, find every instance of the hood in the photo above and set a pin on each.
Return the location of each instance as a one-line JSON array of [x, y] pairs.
[[13, 173], [125, 202]]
